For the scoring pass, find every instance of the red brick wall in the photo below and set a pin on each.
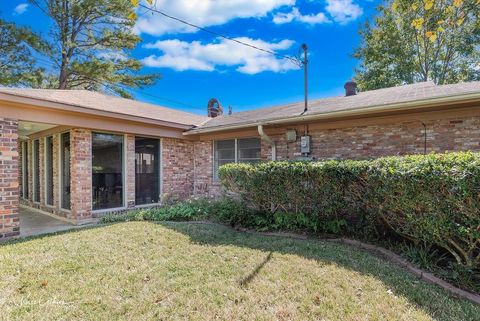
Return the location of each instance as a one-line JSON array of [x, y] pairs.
[[363, 142], [81, 174], [130, 171], [177, 168], [360, 142], [204, 185], [9, 194]]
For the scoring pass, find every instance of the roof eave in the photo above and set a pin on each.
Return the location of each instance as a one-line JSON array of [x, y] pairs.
[[397, 107], [20, 99]]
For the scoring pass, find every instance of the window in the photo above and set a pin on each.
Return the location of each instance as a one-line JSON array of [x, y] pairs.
[[24, 170], [246, 150], [49, 170], [224, 154], [36, 170], [147, 170], [65, 165], [107, 171]]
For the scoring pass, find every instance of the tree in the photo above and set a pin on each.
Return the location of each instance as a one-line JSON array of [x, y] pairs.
[[420, 40], [93, 41], [17, 62]]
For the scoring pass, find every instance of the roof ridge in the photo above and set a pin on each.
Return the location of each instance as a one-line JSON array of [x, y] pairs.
[[280, 106], [398, 95]]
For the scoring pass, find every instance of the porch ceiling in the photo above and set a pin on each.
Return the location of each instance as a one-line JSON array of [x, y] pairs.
[[26, 128]]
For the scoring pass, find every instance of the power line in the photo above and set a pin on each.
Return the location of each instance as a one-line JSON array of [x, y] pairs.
[[292, 59], [109, 86]]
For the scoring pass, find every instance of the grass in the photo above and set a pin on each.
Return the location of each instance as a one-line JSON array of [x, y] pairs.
[[148, 271]]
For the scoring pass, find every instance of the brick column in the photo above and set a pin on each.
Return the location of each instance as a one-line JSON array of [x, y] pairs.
[[9, 194], [81, 174], [177, 167], [204, 184], [130, 171]]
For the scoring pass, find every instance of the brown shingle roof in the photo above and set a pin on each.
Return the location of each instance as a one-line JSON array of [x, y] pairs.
[[97, 101], [382, 97]]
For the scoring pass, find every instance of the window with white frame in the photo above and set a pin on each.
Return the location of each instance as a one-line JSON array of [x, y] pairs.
[[243, 150]]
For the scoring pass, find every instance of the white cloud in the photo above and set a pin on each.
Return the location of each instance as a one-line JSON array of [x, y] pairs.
[[343, 11], [181, 55], [340, 11], [20, 9], [112, 55], [295, 15], [203, 13]]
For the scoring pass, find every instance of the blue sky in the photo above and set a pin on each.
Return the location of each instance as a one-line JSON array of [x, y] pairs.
[[196, 66]]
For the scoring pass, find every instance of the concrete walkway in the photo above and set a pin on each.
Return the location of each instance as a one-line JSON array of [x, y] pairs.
[[34, 222]]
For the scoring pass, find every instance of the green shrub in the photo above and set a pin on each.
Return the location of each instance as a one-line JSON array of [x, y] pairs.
[[316, 190], [137, 215], [224, 210], [433, 199]]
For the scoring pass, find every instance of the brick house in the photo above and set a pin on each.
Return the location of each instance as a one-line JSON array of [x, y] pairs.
[[80, 154]]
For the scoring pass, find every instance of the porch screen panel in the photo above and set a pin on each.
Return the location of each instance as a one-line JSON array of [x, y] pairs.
[[49, 170], [65, 159], [107, 171], [36, 171], [147, 170], [224, 153], [25, 170]]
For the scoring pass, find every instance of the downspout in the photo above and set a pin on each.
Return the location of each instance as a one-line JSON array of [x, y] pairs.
[[268, 140]]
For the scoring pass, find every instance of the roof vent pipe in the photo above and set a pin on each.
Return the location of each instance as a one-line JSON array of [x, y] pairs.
[[350, 88], [268, 140]]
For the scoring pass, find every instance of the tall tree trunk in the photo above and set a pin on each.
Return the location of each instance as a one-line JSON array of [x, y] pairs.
[[63, 78], [64, 27]]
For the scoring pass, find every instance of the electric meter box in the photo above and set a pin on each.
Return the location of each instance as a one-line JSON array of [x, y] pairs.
[[305, 144]]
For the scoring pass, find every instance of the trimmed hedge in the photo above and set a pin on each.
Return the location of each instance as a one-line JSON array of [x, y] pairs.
[[434, 198]]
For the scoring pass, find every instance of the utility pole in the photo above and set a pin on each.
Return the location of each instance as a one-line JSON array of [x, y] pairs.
[[305, 69]]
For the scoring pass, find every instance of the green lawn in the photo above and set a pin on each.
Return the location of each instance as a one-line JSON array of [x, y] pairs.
[[148, 271]]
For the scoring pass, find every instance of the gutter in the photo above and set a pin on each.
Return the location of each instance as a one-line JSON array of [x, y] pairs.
[[403, 106], [268, 140]]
